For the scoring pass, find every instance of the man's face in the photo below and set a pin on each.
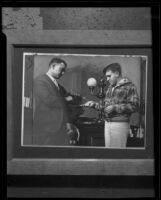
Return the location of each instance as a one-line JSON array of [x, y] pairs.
[[112, 77], [58, 70]]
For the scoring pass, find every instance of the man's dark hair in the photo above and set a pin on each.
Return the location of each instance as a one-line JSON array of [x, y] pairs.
[[114, 67], [57, 61]]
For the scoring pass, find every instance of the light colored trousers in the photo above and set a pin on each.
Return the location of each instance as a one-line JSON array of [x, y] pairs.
[[116, 134]]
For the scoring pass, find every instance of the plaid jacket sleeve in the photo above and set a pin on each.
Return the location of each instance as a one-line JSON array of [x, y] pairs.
[[131, 104]]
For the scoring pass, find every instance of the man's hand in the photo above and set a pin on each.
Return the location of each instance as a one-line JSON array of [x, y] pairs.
[[69, 98], [90, 104], [110, 109], [73, 133], [74, 98]]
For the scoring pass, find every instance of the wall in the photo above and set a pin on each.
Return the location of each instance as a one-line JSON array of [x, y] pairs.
[[77, 18], [96, 18]]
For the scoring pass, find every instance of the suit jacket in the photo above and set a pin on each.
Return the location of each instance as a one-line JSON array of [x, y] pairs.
[[50, 113]]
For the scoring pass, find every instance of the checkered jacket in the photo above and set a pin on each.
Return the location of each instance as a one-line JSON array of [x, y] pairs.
[[125, 98]]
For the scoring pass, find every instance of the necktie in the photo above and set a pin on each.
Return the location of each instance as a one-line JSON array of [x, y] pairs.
[[56, 84]]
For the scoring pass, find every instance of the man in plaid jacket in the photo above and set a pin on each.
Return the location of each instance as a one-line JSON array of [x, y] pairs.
[[120, 102]]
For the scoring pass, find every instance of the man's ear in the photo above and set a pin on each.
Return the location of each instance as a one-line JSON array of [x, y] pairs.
[[53, 65], [117, 74]]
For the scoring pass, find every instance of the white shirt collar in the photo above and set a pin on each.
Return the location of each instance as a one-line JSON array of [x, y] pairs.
[[53, 79]]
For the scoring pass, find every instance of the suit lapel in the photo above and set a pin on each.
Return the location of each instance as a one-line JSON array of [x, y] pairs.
[[51, 83], [58, 91]]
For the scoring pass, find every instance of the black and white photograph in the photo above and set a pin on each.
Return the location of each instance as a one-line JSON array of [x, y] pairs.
[[93, 99], [81, 112]]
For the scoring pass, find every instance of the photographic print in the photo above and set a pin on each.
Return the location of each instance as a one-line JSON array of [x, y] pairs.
[[81, 84]]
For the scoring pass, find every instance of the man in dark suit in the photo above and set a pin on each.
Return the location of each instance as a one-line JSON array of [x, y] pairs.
[[51, 124]]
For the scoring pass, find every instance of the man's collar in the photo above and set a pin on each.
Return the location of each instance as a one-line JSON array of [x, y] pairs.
[[52, 78]]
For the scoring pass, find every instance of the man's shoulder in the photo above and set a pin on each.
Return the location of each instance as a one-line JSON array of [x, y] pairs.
[[41, 77], [126, 84], [41, 80], [125, 81]]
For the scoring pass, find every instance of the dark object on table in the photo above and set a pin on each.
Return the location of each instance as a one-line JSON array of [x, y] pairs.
[[86, 120], [91, 132]]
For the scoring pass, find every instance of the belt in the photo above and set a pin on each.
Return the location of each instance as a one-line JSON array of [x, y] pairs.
[[116, 120]]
